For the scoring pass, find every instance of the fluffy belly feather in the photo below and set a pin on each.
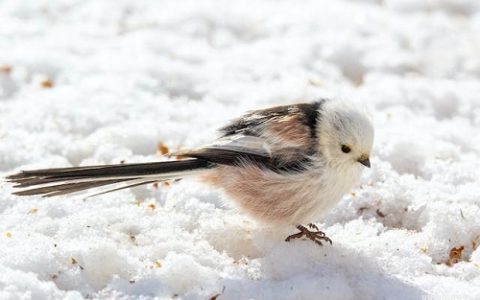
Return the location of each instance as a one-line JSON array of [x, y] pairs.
[[278, 198]]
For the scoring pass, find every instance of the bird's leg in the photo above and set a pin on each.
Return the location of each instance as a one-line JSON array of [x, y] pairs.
[[315, 234]]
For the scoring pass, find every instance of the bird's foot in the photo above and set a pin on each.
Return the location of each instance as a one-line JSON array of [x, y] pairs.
[[315, 234]]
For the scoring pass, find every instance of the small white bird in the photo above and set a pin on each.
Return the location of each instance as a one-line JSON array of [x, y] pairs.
[[285, 165]]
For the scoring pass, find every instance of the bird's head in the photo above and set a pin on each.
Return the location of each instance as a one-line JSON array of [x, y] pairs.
[[345, 135]]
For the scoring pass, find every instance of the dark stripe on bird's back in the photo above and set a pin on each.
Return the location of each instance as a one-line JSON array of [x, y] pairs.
[[311, 113]]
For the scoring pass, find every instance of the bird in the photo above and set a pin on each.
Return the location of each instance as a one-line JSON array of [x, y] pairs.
[[285, 165]]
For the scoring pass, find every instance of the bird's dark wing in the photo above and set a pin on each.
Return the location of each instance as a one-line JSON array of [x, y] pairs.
[[254, 122], [281, 138]]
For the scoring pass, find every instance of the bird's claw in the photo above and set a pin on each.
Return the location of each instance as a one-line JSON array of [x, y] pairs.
[[316, 236]]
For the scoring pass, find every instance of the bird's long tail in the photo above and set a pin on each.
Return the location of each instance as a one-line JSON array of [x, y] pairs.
[[60, 181]]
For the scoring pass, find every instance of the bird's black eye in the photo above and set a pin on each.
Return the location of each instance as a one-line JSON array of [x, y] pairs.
[[346, 149]]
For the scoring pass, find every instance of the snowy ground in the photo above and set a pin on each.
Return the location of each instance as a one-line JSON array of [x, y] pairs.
[[85, 82]]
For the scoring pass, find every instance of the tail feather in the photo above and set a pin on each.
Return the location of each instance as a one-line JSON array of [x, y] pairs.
[[66, 187], [41, 181], [140, 169], [130, 185], [60, 181]]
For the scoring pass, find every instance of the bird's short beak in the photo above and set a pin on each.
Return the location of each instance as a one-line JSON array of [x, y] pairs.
[[365, 161]]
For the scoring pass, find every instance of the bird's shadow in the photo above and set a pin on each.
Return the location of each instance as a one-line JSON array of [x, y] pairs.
[[304, 270]]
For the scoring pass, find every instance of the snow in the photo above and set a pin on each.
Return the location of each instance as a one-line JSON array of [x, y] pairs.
[[87, 82]]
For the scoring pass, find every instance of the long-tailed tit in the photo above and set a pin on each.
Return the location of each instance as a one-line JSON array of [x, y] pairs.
[[284, 165]]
